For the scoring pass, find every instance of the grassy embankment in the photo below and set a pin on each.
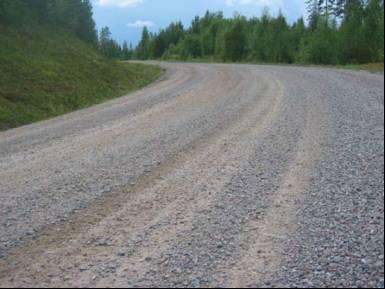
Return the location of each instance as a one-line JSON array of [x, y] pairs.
[[45, 74]]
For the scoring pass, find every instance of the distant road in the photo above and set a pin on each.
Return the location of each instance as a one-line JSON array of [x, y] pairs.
[[216, 175]]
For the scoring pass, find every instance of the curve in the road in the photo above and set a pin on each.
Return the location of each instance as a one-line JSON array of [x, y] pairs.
[[216, 175]]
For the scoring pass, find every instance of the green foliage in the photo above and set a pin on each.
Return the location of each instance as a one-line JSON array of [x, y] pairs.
[[143, 49], [72, 15], [235, 41], [352, 44], [127, 51], [278, 41], [191, 46], [320, 46], [45, 74], [49, 64], [109, 47], [338, 32], [373, 29], [12, 11]]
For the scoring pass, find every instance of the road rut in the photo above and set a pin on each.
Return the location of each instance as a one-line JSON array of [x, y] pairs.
[[215, 175]]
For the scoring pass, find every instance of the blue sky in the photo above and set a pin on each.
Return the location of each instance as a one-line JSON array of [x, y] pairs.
[[126, 18]]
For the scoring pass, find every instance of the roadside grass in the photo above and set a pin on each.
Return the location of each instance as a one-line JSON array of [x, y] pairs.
[[45, 74], [371, 67]]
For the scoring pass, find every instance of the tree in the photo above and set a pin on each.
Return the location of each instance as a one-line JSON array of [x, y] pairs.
[[12, 12], [261, 37], [374, 29], [85, 25], [127, 51], [143, 49], [279, 41], [352, 42], [107, 46], [320, 46], [235, 41], [74, 16], [339, 31], [104, 40], [297, 36], [192, 47], [170, 36], [339, 8], [313, 10]]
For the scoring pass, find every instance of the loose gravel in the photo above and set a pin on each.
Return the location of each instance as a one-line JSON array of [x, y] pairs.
[[215, 176]]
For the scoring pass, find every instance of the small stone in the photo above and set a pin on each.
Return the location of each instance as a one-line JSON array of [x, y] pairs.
[[30, 232], [196, 283], [319, 268], [83, 268]]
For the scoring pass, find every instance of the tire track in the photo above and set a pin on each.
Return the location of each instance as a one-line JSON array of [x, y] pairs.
[[200, 180]]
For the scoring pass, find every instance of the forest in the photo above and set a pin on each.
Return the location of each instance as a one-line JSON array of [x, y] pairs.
[[334, 32]]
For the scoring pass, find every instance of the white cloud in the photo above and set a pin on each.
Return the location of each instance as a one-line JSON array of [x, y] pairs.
[[141, 24], [119, 3], [266, 3]]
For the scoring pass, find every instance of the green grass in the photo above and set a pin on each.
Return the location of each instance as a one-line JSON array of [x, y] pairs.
[[372, 67], [45, 74]]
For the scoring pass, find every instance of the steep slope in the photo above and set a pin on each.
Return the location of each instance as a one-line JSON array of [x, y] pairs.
[[45, 74]]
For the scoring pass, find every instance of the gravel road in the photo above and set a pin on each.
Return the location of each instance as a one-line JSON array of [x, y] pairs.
[[214, 176]]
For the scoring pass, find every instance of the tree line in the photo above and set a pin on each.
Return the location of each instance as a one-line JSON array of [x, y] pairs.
[[112, 49], [336, 32]]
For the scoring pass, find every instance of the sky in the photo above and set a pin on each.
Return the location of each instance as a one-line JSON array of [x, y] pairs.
[[126, 18]]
